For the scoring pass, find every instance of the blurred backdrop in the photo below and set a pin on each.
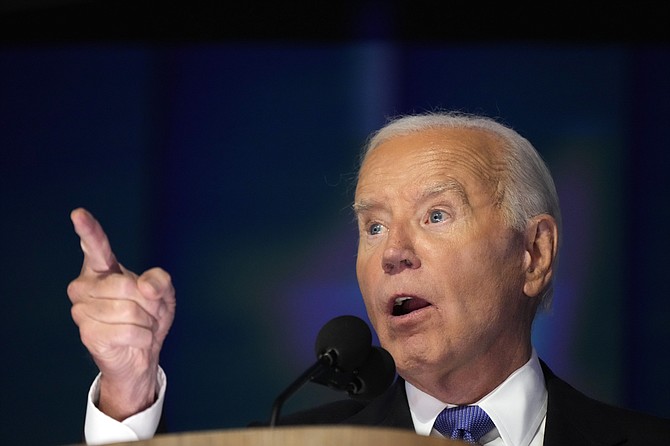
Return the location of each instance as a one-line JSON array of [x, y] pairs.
[[225, 151]]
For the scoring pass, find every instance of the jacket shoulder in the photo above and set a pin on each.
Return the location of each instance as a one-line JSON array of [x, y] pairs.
[[571, 413]]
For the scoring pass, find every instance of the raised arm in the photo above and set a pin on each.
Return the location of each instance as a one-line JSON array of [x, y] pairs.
[[123, 319]]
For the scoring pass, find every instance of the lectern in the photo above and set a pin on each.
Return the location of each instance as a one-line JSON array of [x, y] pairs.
[[297, 436]]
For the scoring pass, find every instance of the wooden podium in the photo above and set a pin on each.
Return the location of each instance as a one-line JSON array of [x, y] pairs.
[[296, 436]]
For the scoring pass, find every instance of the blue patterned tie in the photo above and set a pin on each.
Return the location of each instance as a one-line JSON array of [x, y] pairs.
[[467, 423]]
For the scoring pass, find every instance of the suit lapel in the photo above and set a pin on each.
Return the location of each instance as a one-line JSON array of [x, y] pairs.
[[572, 418], [575, 419]]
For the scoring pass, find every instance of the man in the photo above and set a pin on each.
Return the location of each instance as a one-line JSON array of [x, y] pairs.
[[459, 232]]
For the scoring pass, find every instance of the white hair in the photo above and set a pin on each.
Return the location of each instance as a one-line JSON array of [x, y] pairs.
[[527, 188]]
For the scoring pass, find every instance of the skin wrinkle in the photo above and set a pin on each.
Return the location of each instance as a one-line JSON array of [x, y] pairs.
[[123, 319], [491, 169], [469, 267], [431, 191]]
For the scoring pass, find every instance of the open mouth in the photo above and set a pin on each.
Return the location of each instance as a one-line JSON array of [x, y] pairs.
[[405, 305]]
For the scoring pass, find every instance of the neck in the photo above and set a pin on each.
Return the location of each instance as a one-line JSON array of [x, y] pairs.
[[470, 383]]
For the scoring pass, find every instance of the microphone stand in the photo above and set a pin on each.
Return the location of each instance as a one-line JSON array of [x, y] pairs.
[[326, 360]]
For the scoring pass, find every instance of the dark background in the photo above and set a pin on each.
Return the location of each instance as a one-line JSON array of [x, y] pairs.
[[220, 142]]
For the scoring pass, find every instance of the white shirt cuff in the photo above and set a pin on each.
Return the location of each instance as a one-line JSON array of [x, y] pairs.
[[101, 429]]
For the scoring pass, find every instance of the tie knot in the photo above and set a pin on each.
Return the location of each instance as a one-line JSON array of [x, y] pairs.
[[468, 423]]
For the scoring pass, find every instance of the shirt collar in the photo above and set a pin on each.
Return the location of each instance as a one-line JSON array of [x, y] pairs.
[[517, 406]]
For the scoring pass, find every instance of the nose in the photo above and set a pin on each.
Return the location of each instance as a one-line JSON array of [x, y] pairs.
[[399, 254]]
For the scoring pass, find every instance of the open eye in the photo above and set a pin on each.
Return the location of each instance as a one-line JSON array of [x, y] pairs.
[[375, 229], [436, 216]]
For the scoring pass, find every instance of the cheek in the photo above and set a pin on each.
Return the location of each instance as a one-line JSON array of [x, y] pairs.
[[483, 260], [365, 284], [367, 269], [488, 277]]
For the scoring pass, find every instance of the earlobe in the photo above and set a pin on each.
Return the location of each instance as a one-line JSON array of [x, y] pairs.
[[541, 243]]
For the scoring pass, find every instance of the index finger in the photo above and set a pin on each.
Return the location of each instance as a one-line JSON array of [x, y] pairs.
[[98, 255]]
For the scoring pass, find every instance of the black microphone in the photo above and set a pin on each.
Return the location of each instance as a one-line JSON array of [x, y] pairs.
[[345, 341], [374, 376], [346, 360], [371, 379]]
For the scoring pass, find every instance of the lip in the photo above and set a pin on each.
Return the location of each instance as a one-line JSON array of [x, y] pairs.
[[419, 302]]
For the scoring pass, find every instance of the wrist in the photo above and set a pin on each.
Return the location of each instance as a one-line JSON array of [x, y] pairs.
[[120, 398]]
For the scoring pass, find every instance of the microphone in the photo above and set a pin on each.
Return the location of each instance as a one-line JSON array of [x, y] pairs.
[[374, 376], [371, 379], [345, 361], [345, 341]]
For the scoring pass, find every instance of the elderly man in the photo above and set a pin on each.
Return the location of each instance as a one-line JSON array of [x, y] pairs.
[[459, 231]]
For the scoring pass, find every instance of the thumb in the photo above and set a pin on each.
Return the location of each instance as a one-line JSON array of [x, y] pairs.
[[156, 283]]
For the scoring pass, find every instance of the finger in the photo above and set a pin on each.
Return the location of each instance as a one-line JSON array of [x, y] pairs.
[[113, 286], [98, 255], [113, 312], [156, 283]]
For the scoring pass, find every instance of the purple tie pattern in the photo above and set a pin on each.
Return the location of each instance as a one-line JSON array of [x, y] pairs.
[[466, 423]]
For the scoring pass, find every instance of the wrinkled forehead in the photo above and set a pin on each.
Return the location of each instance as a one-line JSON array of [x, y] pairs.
[[471, 156]]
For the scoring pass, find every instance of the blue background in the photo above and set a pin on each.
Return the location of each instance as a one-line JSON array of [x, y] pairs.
[[229, 161]]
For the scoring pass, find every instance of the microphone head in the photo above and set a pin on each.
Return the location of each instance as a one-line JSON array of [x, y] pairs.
[[347, 340], [374, 376]]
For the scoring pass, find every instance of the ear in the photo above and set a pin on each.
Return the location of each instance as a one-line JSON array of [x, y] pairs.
[[541, 247]]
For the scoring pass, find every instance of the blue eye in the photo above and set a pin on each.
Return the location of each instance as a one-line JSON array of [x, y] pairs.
[[436, 216], [374, 229]]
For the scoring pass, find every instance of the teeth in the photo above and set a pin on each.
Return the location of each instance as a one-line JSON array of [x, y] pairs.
[[399, 301]]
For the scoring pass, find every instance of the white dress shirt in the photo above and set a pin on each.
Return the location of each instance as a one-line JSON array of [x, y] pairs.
[[517, 407], [101, 429]]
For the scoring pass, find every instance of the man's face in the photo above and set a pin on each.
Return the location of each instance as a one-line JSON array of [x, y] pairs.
[[440, 272]]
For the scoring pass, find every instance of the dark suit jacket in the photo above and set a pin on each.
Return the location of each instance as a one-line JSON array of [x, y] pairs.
[[573, 419]]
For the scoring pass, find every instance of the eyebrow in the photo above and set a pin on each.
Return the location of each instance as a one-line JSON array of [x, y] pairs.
[[431, 191], [363, 206], [450, 185]]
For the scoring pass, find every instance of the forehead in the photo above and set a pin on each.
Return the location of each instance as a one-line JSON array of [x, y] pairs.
[[470, 157]]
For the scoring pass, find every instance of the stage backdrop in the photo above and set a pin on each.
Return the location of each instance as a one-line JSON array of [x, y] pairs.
[[231, 165]]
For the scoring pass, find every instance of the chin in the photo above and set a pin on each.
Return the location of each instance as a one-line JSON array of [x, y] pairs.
[[413, 361]]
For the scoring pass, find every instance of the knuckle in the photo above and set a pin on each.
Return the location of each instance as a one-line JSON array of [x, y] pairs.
[[125, 310], [77, 314], [157, 282], [90, 337], [161, 276], [164, 275], [74, 289], [126, 286]]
